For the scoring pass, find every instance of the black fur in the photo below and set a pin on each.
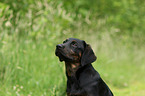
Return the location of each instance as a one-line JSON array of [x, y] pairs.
[[83, 80]]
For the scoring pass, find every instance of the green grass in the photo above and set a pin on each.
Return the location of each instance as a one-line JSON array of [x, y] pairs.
[[30, 68], [31, 65]]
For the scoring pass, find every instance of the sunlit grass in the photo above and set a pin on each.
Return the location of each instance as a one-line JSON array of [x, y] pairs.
[[31, 68]]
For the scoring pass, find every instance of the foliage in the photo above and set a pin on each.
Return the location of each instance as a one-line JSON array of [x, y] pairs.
[[45, 17]]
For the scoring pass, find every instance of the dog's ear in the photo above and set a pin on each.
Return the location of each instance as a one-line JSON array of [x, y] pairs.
[[88, 55]]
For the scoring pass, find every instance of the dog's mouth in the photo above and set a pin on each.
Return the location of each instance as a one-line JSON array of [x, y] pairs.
[[58, 53], [62, 56]]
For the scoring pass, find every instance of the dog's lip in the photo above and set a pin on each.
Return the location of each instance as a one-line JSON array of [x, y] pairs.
[[61, 55], [58, 52]]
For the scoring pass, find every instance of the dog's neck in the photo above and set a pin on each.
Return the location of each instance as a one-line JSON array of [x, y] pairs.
[[71, 68]]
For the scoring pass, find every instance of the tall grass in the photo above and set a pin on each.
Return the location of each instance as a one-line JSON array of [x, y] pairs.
[[31, 68]]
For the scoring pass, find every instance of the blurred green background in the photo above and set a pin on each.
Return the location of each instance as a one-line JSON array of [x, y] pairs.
[[30, 30]]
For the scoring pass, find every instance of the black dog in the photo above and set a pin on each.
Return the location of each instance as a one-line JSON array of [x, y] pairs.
[[82, 78]]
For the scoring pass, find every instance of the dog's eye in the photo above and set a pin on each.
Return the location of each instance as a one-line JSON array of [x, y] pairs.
[[73, 43]]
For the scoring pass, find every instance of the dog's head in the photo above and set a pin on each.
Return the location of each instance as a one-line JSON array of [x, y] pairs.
[[75, 50]]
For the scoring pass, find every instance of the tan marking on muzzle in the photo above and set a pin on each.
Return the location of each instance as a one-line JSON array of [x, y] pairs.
[[73, 66], [72, 51], [80, 54], [76, 57]]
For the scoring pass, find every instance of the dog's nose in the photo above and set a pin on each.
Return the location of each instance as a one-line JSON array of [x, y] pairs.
[[59, 46]]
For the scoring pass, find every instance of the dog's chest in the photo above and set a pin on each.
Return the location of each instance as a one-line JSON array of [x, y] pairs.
[[71, 68], [73, 86]]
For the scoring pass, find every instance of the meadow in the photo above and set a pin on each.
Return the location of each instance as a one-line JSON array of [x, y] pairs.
[[31, 68], [28, 38]]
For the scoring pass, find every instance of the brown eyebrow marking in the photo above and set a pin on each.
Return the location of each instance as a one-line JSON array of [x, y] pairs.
[[72, 51], [80, 54], [74, 40]]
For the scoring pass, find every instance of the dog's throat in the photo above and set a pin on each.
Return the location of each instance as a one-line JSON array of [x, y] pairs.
[[71, 68]]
